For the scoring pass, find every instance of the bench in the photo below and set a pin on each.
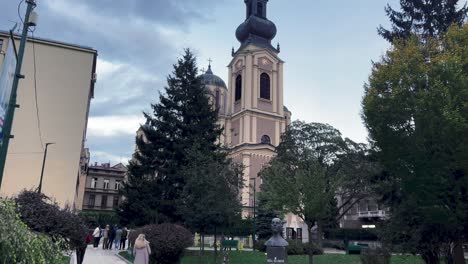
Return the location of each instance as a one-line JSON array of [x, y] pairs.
[[355, 249], [230, 244]]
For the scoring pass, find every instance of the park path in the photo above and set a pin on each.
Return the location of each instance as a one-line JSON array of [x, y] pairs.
[[100, 256]]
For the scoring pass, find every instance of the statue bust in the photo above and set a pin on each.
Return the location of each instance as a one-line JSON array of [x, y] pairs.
[[276, 240]]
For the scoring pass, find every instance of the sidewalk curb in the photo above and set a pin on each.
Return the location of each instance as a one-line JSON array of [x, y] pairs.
[[123, 259]]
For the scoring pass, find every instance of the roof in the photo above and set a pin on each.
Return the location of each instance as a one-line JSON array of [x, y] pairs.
[[52, 42], [208, 78]]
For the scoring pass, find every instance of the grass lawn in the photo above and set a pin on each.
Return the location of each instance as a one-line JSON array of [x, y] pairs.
[[66, 260], [260, 258]]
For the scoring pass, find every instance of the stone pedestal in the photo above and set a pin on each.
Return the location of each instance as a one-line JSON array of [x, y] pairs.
[[276, 245]]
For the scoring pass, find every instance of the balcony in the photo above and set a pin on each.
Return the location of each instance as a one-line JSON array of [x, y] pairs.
[[97, 207], [372, 214], [101, 190]]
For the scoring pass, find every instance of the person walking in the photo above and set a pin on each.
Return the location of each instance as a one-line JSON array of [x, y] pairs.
[[141, 250], [118, 237], [105, 236], [123, 239], [96, 236], [111, 238], [81, 250]]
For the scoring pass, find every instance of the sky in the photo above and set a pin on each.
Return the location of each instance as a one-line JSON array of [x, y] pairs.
[[328, 47]]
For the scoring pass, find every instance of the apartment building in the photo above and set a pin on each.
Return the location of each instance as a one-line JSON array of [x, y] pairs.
[[54, 100], [103, 183]]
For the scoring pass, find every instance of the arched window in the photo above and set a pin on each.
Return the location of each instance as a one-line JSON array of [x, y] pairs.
[[265, 86], [265, 139], [260, 9], [238, 91], [217, 99]]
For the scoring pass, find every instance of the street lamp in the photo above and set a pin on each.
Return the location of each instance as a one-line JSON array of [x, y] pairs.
[[43, 166], [254, 216]]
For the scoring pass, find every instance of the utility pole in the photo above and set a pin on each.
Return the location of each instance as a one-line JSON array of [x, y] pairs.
[[254, 215], [12, 104], [43, 166]]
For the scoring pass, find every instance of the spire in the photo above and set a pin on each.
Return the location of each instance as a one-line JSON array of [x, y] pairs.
[[256, 29], [209, 71]]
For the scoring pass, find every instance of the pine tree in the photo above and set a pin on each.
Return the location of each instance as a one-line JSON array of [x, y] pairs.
[[426, 18], [263, 220], [182, 117]]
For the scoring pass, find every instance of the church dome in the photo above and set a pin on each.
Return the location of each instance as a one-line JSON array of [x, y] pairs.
[[257, 29], [208, 78], [256, 26]]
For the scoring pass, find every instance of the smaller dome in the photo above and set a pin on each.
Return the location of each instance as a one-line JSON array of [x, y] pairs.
[[208, 78]]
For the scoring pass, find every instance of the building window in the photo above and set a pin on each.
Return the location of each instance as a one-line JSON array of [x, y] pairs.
[[1, 44], [289, 233], [299, 234], [238, 88], [104, 201], [265, 86], [115, 203], [106, 184], [260, 9], [118, 184], [217, 99], [91, 200], [94, 183], [265, 139]]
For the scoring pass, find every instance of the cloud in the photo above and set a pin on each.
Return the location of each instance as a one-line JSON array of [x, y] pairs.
[[110, 126], [100, 156]]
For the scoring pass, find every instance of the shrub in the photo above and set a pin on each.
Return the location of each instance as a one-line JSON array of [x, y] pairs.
[[375, 256], [352, 234], [334, 244], [167, 242], [93, 219], [260, 245], [19, 245], [296, 247], [41, 215], [315, 249]]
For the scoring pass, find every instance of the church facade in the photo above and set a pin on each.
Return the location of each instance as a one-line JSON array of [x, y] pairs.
[[251, 107]]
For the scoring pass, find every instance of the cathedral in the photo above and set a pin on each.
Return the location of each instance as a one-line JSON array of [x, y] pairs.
[[250, 107]]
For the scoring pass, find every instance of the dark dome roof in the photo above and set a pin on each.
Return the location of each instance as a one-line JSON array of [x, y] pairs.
[[256, 26], [208, 78]]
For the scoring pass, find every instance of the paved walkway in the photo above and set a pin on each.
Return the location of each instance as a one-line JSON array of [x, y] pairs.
[[100, 256]]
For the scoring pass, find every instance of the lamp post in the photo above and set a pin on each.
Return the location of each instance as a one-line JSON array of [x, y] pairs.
[[12, 103], [43, 166], [254, 215]]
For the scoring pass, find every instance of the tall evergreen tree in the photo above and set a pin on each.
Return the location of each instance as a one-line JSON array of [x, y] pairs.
[[426, 18], [182, 117]]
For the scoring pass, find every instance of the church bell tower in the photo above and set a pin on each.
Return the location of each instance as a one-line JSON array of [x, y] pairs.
[[257, 113]]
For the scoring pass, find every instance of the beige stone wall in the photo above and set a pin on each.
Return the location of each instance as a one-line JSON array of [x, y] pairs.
[[64, 77]]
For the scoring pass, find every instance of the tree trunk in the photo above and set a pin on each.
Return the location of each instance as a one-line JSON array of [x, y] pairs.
[[458, 254], [319, 235], [310, 244], [200, 254], [215, 248], [430, 257]]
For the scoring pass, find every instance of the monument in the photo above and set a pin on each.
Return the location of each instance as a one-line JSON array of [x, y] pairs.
[[276, 245]]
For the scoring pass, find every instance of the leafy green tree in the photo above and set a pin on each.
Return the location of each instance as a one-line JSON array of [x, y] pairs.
[[182, 117], [210, 198], [416, 110], [308, 172], [20, 245], [426, 18]]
